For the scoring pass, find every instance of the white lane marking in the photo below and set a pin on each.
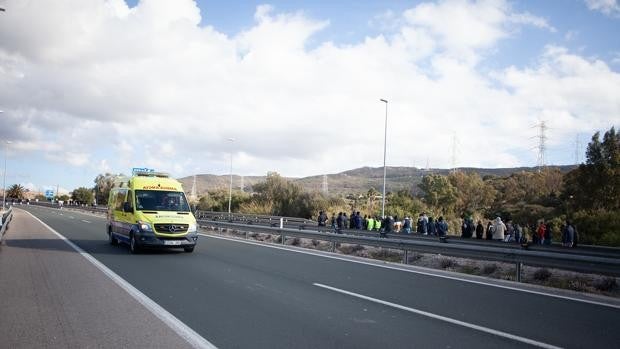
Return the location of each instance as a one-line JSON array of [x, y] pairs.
[[85, 221], [191, 336], [442, 318], [395, 267]]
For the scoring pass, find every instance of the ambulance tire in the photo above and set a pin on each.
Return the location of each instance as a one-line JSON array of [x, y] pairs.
[[134, 248], [189, 249], [111, 238]]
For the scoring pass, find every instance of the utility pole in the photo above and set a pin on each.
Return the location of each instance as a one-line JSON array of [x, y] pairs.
[[242, 185], [454, 143], [193, 194], [325, 188], [384, 153], [577, 147], [542, 138]]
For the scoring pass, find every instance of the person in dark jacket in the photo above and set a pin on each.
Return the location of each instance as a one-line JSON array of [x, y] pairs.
[[339, 223], [432, 226], [322, 219], [479, 230], [442, 227], [387, 227], [359, 222], [489, 234]]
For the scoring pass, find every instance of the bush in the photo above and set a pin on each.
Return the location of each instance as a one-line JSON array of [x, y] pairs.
[[414, 256], [489, 269], [598, 227], [542, 274], [351, 249], [606, 284], [446, 263], [469, 269]]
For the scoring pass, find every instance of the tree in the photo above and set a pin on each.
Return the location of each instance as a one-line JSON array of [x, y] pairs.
[[596, 184], [103, 185], [439, 192], [82, 195], [472, 192], [16, 191]]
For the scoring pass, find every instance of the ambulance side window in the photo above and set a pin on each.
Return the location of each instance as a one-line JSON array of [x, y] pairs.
[[130, 199], [112, 201], [120, 199]]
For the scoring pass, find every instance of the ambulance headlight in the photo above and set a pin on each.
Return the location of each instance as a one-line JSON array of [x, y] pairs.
[[192, 228], [144, 226]]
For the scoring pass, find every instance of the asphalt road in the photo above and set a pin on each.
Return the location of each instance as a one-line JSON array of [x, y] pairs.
[[239, 295]]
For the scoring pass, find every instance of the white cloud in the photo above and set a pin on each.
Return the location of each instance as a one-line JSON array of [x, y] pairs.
[[607, 7], [148, 86]]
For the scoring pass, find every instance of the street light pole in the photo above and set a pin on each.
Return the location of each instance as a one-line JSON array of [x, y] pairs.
[[384, 152], [6, 150], [230, 187]]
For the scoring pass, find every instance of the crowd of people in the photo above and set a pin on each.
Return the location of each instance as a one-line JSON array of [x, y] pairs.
[[495, 229]]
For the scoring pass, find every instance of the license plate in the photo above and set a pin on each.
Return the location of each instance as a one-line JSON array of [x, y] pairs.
[[172, 242]]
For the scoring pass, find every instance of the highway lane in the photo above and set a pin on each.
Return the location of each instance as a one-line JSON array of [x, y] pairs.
[[241, 295]]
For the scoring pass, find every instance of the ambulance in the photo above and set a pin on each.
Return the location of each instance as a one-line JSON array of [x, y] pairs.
[[150, 210]]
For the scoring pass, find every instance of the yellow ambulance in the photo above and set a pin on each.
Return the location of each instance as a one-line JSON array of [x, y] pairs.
[[150, 210]]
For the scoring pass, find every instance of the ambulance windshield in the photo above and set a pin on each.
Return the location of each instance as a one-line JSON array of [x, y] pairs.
[[159, 200]]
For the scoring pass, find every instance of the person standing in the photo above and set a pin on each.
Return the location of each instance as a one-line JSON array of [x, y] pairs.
[[339, 223], [432, 226], [499, 228], [322, 219], [489, 234], [442, 227], [540, 232], [479, 230], [407, 225], [370, 223]]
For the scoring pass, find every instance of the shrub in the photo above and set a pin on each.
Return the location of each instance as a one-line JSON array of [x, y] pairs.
[[469, 269], [606, 284], [542, 274], [446, 263], [414, 256], [489, 269]]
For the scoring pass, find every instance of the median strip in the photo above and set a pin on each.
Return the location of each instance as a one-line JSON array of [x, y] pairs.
[[441, 318]]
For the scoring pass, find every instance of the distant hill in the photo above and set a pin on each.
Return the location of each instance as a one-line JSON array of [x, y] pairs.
[[359, 180]]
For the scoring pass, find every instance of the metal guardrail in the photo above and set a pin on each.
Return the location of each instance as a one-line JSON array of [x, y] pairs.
[[93, 209], [5, 220], [589, 264]]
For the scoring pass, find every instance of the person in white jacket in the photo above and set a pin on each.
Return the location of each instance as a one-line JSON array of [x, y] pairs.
[[498, 229]]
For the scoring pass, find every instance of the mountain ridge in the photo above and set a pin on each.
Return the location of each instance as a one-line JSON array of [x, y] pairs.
[[358, 180]]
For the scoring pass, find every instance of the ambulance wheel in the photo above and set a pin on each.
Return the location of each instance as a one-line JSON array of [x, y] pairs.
[[133, 245], [189, 249], [111, 238]]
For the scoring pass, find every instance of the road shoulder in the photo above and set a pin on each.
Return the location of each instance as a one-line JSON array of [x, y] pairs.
[[50, 296]]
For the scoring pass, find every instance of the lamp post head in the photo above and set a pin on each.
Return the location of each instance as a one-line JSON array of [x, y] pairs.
[[383, 100]]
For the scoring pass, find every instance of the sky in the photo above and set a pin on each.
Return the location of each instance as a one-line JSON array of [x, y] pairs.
[[96, 86]]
